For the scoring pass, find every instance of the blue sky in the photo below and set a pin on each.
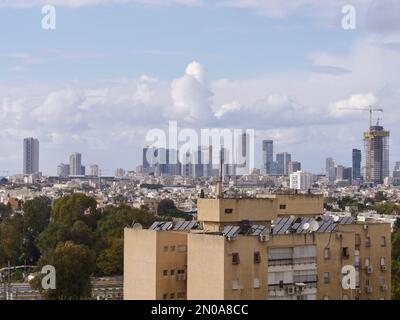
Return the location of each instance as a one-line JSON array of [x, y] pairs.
[[109, 72]]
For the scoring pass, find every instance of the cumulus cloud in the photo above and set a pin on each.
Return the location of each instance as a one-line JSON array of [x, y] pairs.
[[353, 106], [191, 96]]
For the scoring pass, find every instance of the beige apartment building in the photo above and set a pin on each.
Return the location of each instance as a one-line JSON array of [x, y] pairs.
[[278, 247]]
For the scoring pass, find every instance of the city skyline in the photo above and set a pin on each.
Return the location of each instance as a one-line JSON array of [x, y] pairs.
[[101, 100]]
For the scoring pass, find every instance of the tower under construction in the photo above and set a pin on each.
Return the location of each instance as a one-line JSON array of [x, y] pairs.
[[376, 154]]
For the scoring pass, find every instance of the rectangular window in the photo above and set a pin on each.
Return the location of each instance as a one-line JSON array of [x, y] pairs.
[[368, 242], [358, 240], [327, 278], [166, 249], [257, 257], [383, 241], [181, 271], [282, 206], [172, 272], [367, 282], [172, 296], [345, 252], [256, 283], [182, 248], [235, 258], [327, 253], [228, 211], [165, 273], [383, 261], [165, 296], [367, 262], [235, 284], [180, 295], [172, 248]]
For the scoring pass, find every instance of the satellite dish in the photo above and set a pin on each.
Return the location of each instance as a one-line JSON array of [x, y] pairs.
[[137, 226], [314, 225], [306, 226], [336, 218]]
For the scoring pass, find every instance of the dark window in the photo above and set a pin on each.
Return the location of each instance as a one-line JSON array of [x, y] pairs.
[[282, 206], [165, 296], [228, 210], [368, 242], [172, 272], [257, 257], [165, 272], [235, 258], [358, 240], [383, 241], [172, 296], [345, 252]]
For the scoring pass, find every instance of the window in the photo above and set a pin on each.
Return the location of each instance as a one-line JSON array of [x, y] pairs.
[[235, 284], [180, 295], [172, 296], [326, 277], [172, 248], [182, 248], [345, 252], [257, 257], [181, 271], [368, 242], [282, 206], [383, 261], [367, 282], [327, 253], [367, 262], [165, 272], [235, 258], [166, 249], [165, 296], [228, 211], [358, 240], [172, 272], [383, 241], [256, 283]]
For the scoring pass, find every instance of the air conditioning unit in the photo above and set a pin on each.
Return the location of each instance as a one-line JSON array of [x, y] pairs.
[[264, 237], [339, 236], [383, 268], [370, 269], [368, 289], [365, 227], [290, 290], [384, 287]]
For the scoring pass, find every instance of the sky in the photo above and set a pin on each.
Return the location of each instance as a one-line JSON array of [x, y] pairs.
[[114, 69]]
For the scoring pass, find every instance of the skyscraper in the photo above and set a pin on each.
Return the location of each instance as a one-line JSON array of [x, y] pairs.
[[283, 160], [330, 169], [30, 156], [267, 156], [294, 166], [376, 154], [242, 161], [63, 170], [94, 170], [356, 159], [75, 164]]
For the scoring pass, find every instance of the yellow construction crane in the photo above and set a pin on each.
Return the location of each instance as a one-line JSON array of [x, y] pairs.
[[369, 108]]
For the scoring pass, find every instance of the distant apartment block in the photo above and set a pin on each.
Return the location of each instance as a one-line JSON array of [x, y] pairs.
[[276, 247], [30, 156]]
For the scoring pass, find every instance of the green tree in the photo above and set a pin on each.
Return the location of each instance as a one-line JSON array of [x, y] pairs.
[[74, 265], [11, 240], [68, 209], [166, 207], [81, 233], [36, 219], [110, 261]]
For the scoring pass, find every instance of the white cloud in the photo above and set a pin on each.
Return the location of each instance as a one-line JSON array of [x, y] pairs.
[[191, 96]]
